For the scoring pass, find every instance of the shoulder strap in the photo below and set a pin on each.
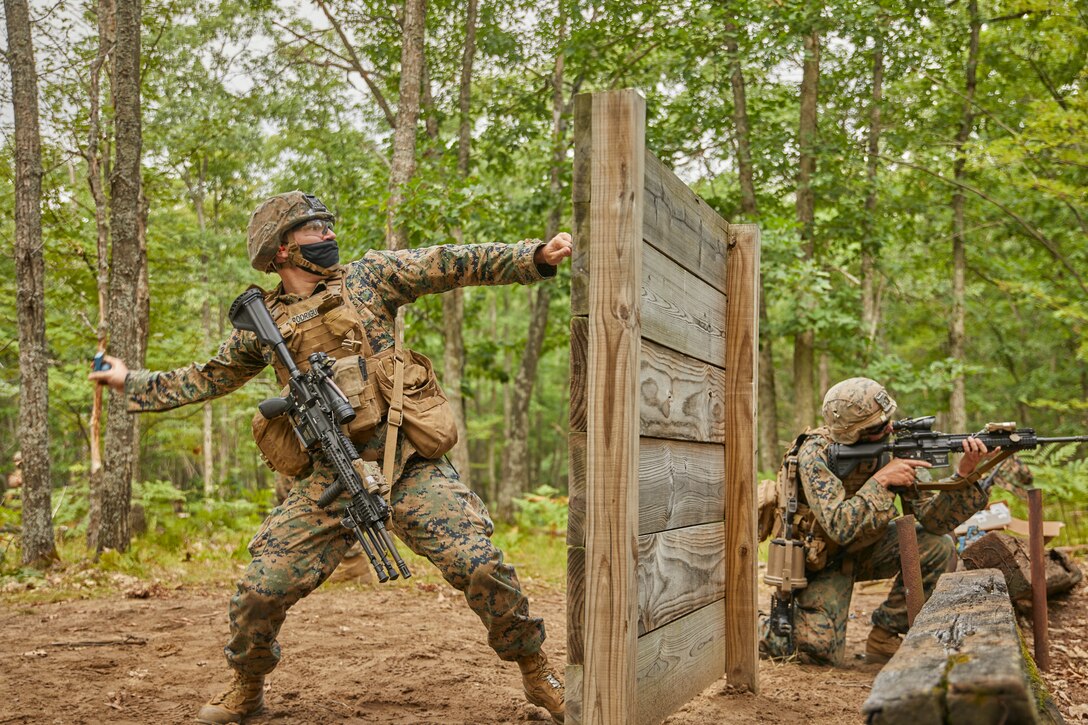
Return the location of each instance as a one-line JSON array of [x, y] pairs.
[[396, 407]]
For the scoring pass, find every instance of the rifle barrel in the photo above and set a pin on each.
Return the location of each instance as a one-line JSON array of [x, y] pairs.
[[1064, 439]]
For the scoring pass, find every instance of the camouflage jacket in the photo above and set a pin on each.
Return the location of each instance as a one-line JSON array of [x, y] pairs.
[[856, 512], [377, 285]]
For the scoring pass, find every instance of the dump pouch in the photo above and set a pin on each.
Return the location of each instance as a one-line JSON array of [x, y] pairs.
[[419, 408]]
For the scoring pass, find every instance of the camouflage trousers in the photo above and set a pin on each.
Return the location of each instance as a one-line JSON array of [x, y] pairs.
[[299, 545], [823, 607]]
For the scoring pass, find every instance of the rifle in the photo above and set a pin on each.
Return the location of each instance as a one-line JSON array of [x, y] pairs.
[[317, 409], [915, 438], [786, 555]]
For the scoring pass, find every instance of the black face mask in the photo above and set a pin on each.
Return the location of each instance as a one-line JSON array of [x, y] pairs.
[[323, 254]]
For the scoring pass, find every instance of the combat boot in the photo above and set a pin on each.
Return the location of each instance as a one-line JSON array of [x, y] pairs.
[[542, 687], [354, 568], [881, 645], [243, 698]]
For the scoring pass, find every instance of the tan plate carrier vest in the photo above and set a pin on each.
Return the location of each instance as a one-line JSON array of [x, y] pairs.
[[397, 384]]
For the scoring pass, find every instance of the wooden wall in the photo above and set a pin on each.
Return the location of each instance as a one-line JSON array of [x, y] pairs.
[[661, 577]]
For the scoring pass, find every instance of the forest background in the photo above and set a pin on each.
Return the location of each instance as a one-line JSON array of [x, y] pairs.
[[919, 172]]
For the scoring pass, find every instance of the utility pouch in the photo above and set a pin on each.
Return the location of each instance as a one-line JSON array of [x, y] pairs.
[[416, 403], [279, 446], [354, 375]]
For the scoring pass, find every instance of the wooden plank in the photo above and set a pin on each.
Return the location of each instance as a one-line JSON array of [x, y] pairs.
[[581, 189], [579, 354], [679, 484], [573, 685], [742, 657], [678, 661], [679, 571], [611, 619], [683, 226], [576, 604], [961, 662], [681, 311], [680, 397], [576, 489]]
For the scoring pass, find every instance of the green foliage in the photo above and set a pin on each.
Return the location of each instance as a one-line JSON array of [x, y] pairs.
[[544, 510]]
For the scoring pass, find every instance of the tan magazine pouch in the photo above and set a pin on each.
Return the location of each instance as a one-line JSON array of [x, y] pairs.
[[279, 446]]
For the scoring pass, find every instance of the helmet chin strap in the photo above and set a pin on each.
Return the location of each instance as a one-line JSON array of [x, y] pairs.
[[294, 255]]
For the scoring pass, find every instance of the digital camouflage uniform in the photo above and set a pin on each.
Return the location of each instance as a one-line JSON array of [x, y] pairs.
[[299, 544], [855, 519]]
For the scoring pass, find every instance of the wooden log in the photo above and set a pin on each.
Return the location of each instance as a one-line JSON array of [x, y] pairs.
[[681, 311], [576, 604], [678, 661], [679, 484], [680, 397], [683, 226], [1007, 553], [679, 571], [961, 662], [611, 601], [741, 543]]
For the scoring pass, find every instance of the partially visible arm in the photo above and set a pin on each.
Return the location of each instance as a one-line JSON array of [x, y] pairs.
[[844, 519], [405, 275], [238, 360]]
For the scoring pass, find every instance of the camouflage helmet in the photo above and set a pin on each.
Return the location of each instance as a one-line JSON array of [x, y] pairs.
[[276, 216], [854, 405]]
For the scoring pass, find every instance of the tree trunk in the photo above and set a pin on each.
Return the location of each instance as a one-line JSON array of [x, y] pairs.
[[957, 413], [95, 162], [453, 302], [403, 164], [870, 281], [38, 547], [125, 231], [515, 462], [207, 448], [804, 341], [768, 397]]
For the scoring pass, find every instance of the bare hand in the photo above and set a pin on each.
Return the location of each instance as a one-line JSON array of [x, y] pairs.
[[555, 251], [974, 451], [899, 473], [114, 377]]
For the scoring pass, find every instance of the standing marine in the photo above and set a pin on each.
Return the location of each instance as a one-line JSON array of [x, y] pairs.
[[848, 527], [349, 311]]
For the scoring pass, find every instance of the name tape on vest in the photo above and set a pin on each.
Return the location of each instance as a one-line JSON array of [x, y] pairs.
[[308, 315]]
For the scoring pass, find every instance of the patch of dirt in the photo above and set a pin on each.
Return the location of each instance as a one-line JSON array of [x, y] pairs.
[[399, 653]]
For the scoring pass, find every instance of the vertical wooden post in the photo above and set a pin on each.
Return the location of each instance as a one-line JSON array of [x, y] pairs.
[[611, 598], [742, 331], [1040, 623], [910, 565]]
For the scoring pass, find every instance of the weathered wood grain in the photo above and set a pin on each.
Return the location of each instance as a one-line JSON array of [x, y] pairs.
[[678, 661], [573, 683], [679, 571], [961, 662], [680, 397], [579, 359], [611, 618], [682, 225], [581, 190], [742, 657], [576, 489], [679, 484], [576, 604], [680, 311]]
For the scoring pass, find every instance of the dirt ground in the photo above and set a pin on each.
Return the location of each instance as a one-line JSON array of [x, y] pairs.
[[395, 653]]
